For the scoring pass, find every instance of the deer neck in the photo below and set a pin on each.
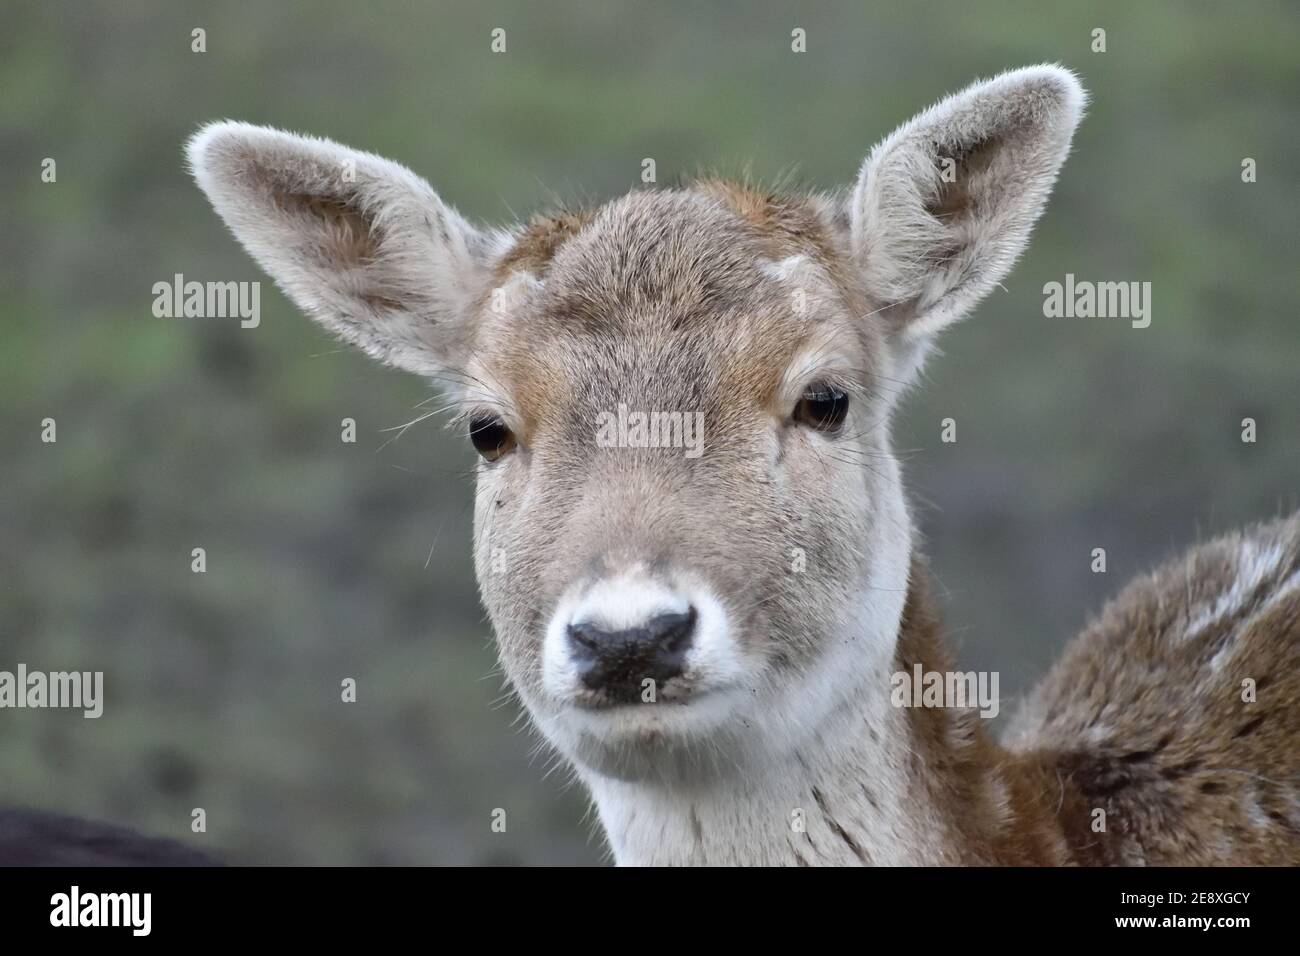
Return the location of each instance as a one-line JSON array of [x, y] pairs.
[[873, 783]]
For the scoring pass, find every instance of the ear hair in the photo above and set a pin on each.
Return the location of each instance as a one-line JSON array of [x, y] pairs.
[[359, 243], [944, 205]]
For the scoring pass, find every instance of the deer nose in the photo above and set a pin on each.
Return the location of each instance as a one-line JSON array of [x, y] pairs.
[[619, 662]]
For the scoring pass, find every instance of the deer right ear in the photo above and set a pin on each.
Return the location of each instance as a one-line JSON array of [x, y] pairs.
[[944, 205], [359, 243]]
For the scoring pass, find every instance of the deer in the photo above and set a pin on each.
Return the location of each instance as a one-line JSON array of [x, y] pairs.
[[709, 641]]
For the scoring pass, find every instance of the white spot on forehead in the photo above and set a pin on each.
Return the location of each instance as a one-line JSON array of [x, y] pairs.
[[800, 271], [785, 269], [516, 291]]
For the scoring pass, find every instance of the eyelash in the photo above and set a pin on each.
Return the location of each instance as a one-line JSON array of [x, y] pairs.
[[823, 407]]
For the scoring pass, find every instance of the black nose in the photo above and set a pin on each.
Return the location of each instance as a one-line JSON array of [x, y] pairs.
[[619, 662]]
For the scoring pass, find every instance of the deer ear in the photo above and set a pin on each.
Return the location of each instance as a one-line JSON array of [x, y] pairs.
[[945, 204], [359, 243]]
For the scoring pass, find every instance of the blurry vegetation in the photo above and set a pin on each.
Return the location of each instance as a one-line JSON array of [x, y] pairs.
[[328, 560]]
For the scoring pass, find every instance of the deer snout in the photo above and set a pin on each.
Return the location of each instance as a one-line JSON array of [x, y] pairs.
[[620, 661], [638, 635]]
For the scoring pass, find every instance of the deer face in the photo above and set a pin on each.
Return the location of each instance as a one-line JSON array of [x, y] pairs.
[[686, 483], [690, 532]]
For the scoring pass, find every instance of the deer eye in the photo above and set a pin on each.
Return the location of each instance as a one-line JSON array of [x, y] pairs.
[[822, 407], [490, 436]]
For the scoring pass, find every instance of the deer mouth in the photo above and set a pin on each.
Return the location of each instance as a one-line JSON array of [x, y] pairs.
[[676, 694]]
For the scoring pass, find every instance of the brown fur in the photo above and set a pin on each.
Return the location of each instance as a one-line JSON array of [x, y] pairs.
[[1137, 722], [535, 246], [1000, 810], [1144, 715]]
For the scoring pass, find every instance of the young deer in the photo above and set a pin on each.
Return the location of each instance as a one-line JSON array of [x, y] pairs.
[[710, 637]]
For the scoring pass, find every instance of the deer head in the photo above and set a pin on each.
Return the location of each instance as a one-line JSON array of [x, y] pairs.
[[690, 530]]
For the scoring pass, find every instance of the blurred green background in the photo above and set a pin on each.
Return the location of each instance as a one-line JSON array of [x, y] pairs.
[[328, 560]]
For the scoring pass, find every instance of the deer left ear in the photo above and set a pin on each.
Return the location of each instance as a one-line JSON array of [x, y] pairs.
[[945, 204]]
